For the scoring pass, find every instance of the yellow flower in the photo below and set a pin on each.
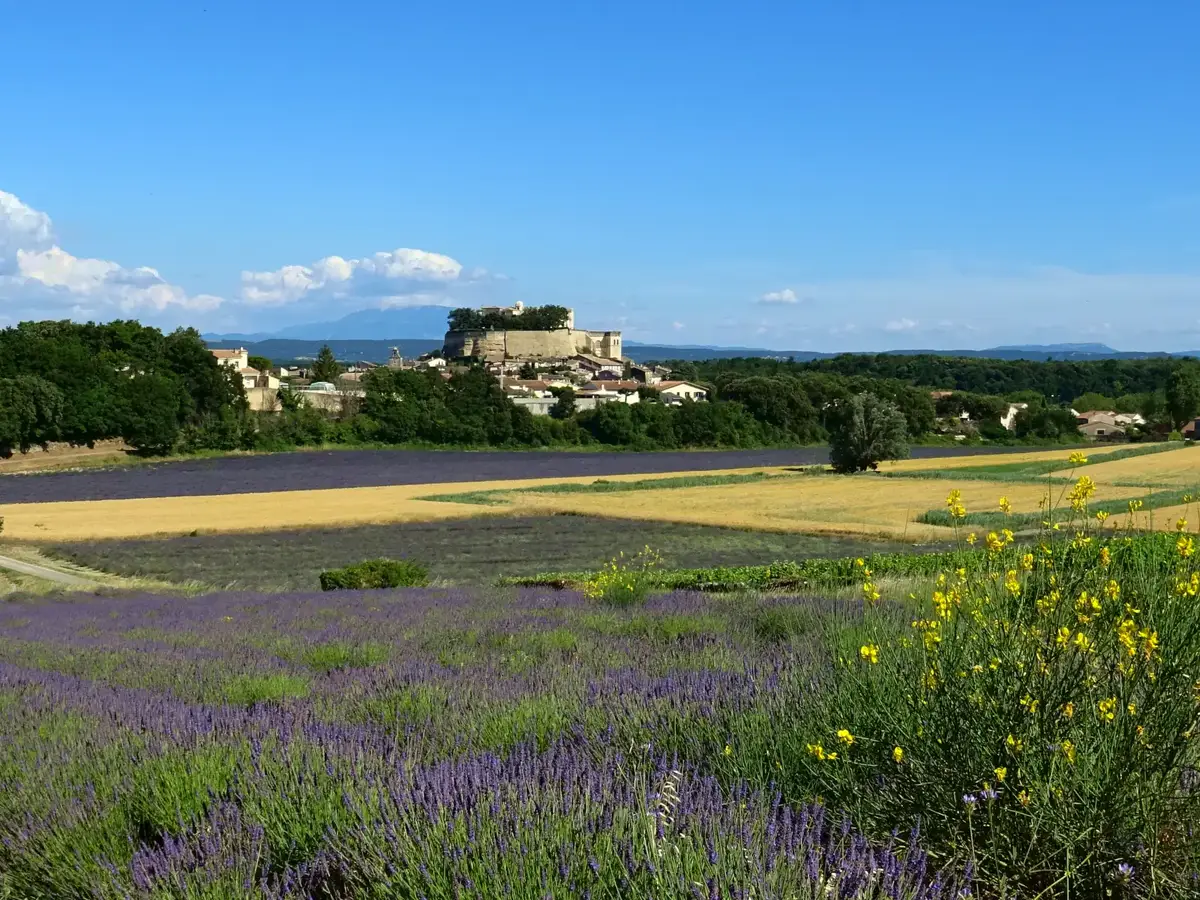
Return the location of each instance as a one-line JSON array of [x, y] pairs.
[[1108, 709], [953, 497], [1135, 505], [994, 543], [728, 751], [1001, 773], [845, 736], [860, 562], [1011, 584], [869, 653], [1015, 745], [1131, 708], [972, 538], [1064, 636], [1181, 524], [1068, 750], [1005, 506], [1105, 556], [1101, 517], [897, 754], [1023, 797], [1077, 459], [1008, 536], [870, 592], [1027, 562], [1185, 546], [1112, 590], [1068, 710]]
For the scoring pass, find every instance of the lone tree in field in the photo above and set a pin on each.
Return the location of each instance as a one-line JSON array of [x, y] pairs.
[[864, 431], [326, 367]]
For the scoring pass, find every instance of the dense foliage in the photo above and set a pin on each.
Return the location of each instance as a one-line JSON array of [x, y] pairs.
[[864, 431], [374, 574], [61, 381], [532, 318], [1056, 381]]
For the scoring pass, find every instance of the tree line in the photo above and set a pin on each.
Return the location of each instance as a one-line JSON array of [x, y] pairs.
[[161, 393], [62, 381], [532, 318]]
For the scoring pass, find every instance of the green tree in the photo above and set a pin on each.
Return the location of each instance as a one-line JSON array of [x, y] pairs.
[[1183, 394], [30, 413], [261, 363], [1093, 401], [326, 367], [565, 407], [1044, 422], [153, 407], [864, 431], [289, 400]]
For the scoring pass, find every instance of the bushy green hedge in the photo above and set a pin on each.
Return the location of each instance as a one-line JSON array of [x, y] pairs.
[[375, 573]]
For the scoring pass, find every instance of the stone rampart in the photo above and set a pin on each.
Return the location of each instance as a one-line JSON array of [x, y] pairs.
[[561, 344]]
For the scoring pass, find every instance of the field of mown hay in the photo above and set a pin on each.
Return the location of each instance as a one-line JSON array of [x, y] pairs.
[[823, 504], [869, 504]]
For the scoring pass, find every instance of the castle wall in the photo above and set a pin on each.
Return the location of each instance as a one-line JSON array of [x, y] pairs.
[[538, 344], [500, 345]]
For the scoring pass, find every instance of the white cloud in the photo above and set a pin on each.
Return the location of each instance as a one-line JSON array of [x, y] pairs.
[[403, 277], [678, 326], [39, 279], [900, 325], [787, 295]]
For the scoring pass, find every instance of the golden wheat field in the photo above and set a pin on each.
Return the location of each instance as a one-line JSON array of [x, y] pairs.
[[862, 504], [869, 504], [83, 519]]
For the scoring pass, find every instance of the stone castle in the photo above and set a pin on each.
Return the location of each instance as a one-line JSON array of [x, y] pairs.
[[500, 345]]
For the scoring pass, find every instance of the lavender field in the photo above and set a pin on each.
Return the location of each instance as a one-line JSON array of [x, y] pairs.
[[375, 468], [426, 743]]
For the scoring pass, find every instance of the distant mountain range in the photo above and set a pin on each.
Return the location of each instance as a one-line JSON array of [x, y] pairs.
[[427, 323], [282, 350], [419, 329]]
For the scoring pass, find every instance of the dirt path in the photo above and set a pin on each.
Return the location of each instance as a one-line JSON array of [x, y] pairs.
[[44, 572]]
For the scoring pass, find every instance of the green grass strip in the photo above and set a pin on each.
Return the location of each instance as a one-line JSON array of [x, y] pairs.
[[1015, 521], [602, 486]]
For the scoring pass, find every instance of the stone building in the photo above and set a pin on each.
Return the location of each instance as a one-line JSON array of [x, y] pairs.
[[500, 345]]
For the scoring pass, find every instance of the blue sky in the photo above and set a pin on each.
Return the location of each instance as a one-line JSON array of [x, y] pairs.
[[854, 175]]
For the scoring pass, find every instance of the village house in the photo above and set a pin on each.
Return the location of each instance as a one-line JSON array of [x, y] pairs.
[[678, 391], [260, 387], [1100, 425]]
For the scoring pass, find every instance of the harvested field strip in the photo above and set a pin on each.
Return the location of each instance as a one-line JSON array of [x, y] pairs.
[[1098, 467], [146, 517], [862, 505], [1181, 469]]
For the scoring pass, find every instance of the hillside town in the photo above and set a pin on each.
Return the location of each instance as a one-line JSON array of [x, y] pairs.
[[533, 366]]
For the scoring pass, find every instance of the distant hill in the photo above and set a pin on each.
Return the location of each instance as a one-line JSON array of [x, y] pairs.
[[282, 350]]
